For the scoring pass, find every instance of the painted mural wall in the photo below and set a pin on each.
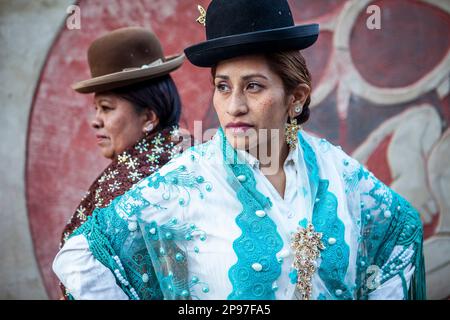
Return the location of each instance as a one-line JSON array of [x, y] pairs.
[[380, 90]]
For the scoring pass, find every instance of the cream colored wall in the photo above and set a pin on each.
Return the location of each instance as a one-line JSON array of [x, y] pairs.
[[27, 30]]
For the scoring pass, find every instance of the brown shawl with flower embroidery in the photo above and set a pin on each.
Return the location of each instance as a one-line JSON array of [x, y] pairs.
[[137, 162]]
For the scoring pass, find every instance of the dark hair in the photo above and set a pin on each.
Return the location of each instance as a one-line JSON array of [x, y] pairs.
[[292, 69], [159, 95]]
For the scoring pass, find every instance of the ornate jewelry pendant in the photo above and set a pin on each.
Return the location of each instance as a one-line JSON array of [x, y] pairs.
[[307, 244], [291, 133], [202, 18]]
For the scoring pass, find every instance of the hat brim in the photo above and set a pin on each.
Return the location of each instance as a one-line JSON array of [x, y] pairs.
[[128, 77], [209, 53]]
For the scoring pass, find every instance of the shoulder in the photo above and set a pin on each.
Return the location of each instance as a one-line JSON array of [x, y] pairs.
[[194, 159], [180, 181]]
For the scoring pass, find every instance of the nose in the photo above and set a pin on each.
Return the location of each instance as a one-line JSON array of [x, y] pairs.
[[238, 104], [97, 121]]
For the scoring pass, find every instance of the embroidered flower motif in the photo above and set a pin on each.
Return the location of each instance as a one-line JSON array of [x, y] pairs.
[[123, 158], [97, 198], [307, 244], [114, 173], [135, 176], [97, 193], [158, 140], [103, 178], [110, 175], [152, 231], [175, 133], [158, 149], [132, 163], [155, 180], [142, 146], [114, 186], [99, 202], [174, 151], [81, 212], [152, 158]]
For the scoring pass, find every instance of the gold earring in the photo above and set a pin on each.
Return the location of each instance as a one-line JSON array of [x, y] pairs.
[[291, 133]]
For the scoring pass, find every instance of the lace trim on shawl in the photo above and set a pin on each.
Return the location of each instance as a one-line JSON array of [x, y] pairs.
[[257, 268]]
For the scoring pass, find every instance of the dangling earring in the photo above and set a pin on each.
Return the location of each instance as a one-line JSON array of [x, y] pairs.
[[292, 128], [148, 128], [291, 133]]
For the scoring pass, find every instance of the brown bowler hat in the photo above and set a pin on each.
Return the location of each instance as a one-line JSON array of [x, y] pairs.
[[126, 56]]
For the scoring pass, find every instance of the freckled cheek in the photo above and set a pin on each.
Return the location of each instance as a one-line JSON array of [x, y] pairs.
[[264, 112]]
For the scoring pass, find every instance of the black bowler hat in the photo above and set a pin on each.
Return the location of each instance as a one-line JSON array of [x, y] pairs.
[[239, 27]]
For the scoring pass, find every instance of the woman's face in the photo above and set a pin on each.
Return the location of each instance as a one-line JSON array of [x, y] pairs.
[[117, 124], [248, 97]]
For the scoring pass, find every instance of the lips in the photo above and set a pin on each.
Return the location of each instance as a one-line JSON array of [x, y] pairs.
[[238, 127], [100, 138]]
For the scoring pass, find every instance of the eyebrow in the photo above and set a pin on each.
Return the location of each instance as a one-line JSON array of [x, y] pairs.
[[246, 77], [104, 100]]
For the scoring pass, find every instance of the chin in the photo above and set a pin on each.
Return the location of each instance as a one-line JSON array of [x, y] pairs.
[[108, 154], [242, 142]]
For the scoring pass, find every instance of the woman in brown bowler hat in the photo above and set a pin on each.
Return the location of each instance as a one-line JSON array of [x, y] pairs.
[[137, 110]]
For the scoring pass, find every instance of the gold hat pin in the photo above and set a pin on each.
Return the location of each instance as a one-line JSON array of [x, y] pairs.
[[202, 18]]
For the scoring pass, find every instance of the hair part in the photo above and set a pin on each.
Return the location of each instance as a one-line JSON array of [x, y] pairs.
[[159, 95]]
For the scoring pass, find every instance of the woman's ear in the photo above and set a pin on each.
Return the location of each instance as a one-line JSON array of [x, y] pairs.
[[298, 99], [151, 121]]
